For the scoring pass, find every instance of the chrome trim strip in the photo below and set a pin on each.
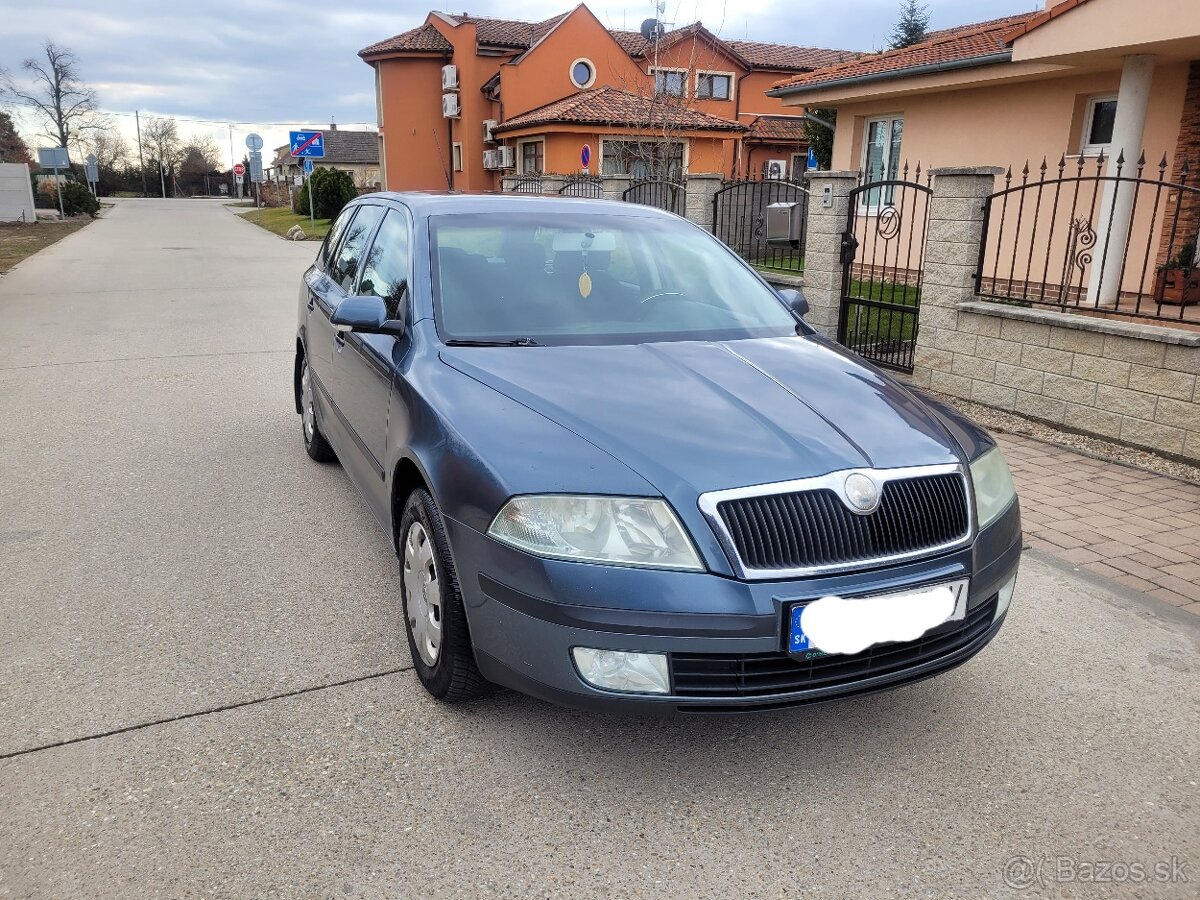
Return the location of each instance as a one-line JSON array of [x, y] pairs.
[[833, 481]]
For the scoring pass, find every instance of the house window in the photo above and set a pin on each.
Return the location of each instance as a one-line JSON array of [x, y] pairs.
[[669, 82], [456, 156], [713, 86], [1098, 124], [583, 73], [641, 159], [532, 158], [881, 159]]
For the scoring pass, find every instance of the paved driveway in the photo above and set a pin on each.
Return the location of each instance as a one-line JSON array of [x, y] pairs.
[[204, 688]]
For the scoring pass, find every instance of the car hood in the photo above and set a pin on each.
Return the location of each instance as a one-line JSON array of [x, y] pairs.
[[693, 416]]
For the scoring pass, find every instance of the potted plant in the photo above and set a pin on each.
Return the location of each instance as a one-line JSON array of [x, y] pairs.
[[1178, 281]]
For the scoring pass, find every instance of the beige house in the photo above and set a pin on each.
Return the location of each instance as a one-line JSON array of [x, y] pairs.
[[1079, 85], [356, 152]]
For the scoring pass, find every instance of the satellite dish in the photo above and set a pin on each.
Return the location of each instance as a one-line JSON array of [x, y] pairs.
[[652, 29]]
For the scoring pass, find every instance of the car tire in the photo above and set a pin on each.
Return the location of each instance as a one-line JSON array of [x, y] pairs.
[[434, 617], [314, 442]]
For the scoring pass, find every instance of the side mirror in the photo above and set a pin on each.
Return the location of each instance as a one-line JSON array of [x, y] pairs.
[[796, 300], [366, 315]]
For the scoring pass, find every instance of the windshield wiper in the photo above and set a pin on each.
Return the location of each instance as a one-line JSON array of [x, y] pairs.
[[516, 342]]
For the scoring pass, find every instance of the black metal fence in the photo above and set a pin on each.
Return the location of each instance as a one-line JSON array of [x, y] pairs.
[[662, 193], [740, 220], [883, 252], [527, 184], [580, 185], [1095, 239]]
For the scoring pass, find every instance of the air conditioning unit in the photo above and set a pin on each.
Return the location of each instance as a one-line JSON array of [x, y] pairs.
[[449, 78], [450, 106], [491, 159], [488, 125], [775, 168], [506, 157]]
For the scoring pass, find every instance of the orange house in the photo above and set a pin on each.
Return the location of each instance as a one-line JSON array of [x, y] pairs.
[[463, 100]]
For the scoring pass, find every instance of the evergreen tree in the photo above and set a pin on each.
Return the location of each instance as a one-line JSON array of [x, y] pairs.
[[913, 24], [12, 148]]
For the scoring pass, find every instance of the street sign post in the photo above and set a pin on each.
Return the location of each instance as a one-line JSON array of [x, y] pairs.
[[254, 142], [308, 166], [93, 173], [239, 170], [55, 158]]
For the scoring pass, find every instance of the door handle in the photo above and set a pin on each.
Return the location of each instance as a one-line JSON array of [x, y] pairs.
[[312, 302], [339, 338]]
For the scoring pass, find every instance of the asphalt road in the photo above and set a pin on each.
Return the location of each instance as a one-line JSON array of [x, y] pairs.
[[205, 691]]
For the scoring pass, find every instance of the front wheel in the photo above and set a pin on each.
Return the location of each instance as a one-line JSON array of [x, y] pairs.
[[433, 610], [314, 442]]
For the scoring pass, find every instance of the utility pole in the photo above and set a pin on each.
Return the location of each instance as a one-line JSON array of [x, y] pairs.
[[141, 162], [232, 162]]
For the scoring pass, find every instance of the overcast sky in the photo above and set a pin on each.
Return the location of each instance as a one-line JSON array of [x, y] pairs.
[[266, 64]]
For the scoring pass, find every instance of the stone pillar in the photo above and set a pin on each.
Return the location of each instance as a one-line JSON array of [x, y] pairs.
[[1133, 98], [823, 247], [701, 189], [615, 186], [553, 184], [952, 241]]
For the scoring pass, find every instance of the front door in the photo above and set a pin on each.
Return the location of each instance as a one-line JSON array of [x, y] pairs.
[[364, 363]]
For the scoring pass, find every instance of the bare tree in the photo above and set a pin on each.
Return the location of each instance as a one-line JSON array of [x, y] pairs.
[[111, 150], [160, 139], [56, 92]]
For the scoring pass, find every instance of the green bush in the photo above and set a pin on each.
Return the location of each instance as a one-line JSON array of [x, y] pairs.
[[331, 190], [76, 199]]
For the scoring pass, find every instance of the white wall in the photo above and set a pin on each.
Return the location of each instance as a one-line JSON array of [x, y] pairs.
[[16, 193]]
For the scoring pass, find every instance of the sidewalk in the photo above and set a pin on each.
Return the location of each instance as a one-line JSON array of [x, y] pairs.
[[1135, 527]]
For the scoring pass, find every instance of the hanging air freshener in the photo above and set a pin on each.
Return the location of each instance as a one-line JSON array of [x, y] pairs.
[[585, 285]]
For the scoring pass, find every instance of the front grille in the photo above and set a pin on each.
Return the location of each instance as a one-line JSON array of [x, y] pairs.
[[814, 529], [761, 674]]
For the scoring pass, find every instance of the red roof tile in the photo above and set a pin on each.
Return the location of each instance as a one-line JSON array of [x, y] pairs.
[[422, 39], [785, 56], [509, 32], [780, 129], [1041, 19], [611, 106], [952, 45]]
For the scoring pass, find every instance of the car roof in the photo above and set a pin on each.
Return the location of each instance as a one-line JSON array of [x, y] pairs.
[[440, 203]]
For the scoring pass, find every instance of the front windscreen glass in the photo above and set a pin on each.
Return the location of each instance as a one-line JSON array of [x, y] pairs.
[[566, 278]]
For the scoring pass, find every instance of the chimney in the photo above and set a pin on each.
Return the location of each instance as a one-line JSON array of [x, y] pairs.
[[333, 126]]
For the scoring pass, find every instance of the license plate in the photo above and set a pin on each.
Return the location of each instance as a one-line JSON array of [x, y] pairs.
[[801, 646]]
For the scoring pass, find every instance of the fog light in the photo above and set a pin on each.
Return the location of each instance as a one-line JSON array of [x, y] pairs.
[[1005, 598], [618, 670]]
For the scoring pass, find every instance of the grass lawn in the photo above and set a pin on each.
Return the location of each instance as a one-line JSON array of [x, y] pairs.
[[280, 219], [18, 241], [790, 266], [874, 326]]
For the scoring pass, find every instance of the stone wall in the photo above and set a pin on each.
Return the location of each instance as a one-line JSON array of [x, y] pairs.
[[1134, 383]]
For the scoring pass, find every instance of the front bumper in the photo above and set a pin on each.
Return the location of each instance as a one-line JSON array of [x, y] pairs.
[[724, 638]]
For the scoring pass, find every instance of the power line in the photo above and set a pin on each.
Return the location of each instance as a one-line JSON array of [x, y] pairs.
[[223, 122]]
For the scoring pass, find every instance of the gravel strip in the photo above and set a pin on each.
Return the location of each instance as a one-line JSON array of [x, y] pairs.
[[1006, 422]]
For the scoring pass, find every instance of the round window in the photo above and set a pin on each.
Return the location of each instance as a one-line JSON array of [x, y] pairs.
[[583, 73]]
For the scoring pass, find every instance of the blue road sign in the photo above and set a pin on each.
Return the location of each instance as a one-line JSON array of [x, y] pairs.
[[308, 166], [308, 143]]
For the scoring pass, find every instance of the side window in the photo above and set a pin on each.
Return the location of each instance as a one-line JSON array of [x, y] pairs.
[[335, 235], [385, 270], [349, 254]]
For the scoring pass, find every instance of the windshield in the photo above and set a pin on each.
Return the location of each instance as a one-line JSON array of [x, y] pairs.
[[591, 279]]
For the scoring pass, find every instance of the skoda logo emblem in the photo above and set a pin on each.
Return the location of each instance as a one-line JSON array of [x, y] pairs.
[[861, 492]]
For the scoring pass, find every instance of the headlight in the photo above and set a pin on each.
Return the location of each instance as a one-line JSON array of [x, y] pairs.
[[627, 531], [993, 486]]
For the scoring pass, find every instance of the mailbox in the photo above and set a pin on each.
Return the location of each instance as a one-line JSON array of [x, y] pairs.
[[785, 222]]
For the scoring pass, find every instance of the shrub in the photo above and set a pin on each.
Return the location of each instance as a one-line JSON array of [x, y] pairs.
[[76, 198], [331, 189]]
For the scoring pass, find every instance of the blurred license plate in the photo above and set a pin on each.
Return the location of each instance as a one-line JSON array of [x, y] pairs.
[[798, 642]]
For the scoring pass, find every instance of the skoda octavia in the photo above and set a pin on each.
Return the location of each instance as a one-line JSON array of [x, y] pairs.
[[620, 471]]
